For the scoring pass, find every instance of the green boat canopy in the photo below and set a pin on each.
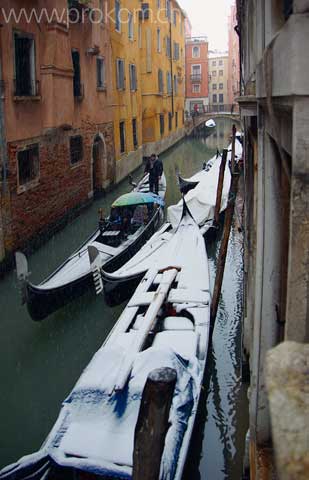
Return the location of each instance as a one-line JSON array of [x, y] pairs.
[[135, 198]]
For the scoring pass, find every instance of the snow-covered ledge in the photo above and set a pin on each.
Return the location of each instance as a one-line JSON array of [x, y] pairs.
[[287, 379]]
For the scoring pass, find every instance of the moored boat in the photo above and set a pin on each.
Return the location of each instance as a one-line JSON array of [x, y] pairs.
[[201, 189], [133, 219], [165, 324]]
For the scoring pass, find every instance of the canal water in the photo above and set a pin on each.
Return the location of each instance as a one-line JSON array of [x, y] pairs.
[[40, 362]]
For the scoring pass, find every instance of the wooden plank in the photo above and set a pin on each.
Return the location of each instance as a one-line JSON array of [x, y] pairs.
[[148, 324]]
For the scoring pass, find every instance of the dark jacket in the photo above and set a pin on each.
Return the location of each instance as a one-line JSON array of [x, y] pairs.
[[155, 170]]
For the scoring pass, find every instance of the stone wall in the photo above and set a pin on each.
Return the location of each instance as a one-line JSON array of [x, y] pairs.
[[163, 144]]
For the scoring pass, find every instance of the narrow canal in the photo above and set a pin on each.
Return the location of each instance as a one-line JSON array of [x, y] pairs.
[[40, 362]]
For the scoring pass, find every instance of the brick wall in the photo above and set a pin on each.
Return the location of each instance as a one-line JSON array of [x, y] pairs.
[[61, 187]]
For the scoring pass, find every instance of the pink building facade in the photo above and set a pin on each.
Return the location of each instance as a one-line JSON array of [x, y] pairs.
[[234, 66]]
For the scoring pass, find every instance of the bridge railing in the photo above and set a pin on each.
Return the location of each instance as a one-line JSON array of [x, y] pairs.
[[213, 109]]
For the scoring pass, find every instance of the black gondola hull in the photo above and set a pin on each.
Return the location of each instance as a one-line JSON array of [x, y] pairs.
[[43, 302]]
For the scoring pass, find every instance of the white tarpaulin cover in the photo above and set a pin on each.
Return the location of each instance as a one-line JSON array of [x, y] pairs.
[[201, 201]]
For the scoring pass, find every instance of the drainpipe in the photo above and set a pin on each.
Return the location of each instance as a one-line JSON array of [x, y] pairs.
[[171, 60]]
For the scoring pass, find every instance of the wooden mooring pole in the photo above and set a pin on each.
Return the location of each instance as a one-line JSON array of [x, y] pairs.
[[152, 423], [223, 247], [220, 187], [233, 148]]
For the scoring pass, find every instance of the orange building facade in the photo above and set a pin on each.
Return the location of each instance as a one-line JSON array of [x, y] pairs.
[[197, 95], [234, 65], [87, 89], [57, 138]]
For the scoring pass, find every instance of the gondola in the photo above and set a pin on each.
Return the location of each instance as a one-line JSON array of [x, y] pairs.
[[165, 324], [114, 239]]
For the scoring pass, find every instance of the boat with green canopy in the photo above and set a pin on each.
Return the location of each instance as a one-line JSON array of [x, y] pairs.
[[133, 219]]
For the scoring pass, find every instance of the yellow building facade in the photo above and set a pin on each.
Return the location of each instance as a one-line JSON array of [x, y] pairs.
[[148, 69]]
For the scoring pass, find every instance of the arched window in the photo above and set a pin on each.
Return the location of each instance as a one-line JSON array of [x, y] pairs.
[[196, 52]]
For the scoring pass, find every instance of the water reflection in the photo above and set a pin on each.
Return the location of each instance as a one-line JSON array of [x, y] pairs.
[[42, 361]]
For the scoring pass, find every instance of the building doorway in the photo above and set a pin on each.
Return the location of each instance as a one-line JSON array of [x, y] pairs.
[[98, 165]]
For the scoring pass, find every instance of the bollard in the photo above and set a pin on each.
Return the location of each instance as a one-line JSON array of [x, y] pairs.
[[152, 423], [220, 187]]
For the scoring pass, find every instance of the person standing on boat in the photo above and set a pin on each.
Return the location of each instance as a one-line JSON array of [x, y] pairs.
[[154, 167]]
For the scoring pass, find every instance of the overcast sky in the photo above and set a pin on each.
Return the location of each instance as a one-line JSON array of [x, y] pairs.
[[209, 17]]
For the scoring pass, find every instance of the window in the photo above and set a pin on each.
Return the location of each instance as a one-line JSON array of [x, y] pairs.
[[175, 17], [175, 85], [170, 121], [134, 133], [158, 4], [196, 88], [214, 98], [76, 149], [77, 86], [168, 9], [196, 73], [214, 73], [130, 26], [117, 16], [196, 69], [120, 74], [176, 119], [133, 78], [214, 63], [221, 98], [158, 40], [169, 83], [160, 81], [100, 72], [168, 47], [161, 124], [214, 86], [122, 137], [25, 84], [176, 50], [220, 86], [220, 63], [220, 73], [196, 52], [28, 164]]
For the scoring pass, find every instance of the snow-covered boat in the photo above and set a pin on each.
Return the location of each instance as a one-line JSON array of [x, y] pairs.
[[201, 199], [210, 123], [165, 324], [133, 220], [201, 194]]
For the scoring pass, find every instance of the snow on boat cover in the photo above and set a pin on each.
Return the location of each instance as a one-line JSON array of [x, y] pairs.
[[95, 429], [201, 200]]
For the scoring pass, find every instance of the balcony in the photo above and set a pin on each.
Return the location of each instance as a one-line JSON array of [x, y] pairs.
[[196, 78]]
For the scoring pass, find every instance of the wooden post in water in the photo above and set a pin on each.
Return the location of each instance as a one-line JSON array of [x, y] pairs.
[[223, 247], [152, 423], [233, 148], [220, 187]]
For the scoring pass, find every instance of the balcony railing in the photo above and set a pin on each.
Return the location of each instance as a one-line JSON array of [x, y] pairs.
[[196, 78], [26, 88]]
